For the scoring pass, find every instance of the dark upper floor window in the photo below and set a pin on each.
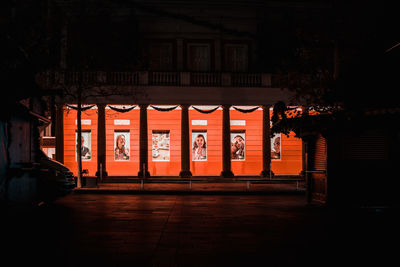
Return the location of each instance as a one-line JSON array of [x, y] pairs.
[[199, 55], [235, 57], [161, 56]]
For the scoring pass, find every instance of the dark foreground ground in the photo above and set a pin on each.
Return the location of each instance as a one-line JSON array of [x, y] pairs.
[[196, 230]]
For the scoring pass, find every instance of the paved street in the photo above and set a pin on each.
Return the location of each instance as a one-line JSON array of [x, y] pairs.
[[195, 230]]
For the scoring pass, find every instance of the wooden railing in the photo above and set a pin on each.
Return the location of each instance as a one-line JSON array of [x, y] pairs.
[[161, 78]]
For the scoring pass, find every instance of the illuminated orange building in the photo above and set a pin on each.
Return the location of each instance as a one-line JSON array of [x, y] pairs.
[[166, 56], [166, 159]]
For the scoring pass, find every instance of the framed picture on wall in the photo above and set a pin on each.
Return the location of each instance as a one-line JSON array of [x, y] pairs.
[[160, 146], [238, 145], [276, 147], [86, 145], [121, 145], [199, 146]]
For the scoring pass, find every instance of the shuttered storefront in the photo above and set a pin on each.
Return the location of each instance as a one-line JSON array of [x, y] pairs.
[[318, 173]]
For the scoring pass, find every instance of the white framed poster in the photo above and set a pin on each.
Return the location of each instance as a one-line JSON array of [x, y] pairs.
[[199, 146], [276, 147], [121, 145], [238, 145], [161, 146], [86, 145]]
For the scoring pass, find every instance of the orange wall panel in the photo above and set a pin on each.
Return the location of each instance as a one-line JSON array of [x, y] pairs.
[[165, 121], [291, 156], [213, 164], [122, 167], [252, 165], [70, 128]]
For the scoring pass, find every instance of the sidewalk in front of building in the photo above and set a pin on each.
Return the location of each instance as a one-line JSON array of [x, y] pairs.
[[197, 185]]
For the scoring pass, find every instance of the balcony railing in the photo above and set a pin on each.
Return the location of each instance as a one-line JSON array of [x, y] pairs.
[[122, 78], [207, 79], [164, 78], [247, 79]]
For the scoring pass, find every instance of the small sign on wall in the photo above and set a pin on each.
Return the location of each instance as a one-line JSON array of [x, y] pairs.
[[122, 122], [84, 122], [238, 122], [199, 122]]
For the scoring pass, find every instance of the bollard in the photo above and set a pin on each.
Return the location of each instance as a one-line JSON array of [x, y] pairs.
[[270, 171], [101, 172], [144, 176], [248, 184]]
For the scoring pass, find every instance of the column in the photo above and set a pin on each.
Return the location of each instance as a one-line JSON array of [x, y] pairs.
[[143, 143], [185, 143], [266, 143], [60, 133], [226, 142], [101, 141]]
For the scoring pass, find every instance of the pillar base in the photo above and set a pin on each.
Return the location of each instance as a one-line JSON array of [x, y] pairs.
[[146, 174], [267, 173], [104, 174], [227, 174], [185, 174]]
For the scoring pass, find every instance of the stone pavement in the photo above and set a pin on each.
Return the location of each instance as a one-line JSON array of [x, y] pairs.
[[195, 230]]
